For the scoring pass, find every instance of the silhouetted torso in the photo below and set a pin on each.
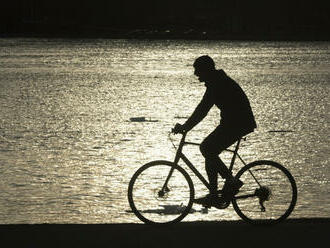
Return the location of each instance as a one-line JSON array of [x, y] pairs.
[[228, 96]]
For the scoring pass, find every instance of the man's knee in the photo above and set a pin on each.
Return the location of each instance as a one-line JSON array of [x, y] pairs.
[[207, 149], [202, 148]]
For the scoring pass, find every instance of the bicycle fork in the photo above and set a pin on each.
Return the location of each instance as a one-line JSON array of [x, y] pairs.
[[165, 188]]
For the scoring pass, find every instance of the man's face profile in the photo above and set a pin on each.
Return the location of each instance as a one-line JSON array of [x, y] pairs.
[[201, 73]]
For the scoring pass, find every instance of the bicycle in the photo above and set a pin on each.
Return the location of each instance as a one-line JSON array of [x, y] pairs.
[[162, 192]]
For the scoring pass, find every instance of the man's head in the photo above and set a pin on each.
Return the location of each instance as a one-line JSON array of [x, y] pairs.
[[204, 66]]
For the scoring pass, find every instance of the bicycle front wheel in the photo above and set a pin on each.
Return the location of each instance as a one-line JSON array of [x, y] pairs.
[[160, 192], [269, 193]]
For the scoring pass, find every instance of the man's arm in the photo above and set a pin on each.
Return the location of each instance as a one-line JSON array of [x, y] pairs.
[[200, 112]]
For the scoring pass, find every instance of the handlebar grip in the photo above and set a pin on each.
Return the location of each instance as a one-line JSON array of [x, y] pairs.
[[173, 131]]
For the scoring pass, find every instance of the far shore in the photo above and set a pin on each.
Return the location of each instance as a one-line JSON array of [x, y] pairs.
[[162, 33]]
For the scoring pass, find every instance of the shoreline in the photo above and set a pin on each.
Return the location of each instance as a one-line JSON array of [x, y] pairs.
[[169, 33], [311, 231]]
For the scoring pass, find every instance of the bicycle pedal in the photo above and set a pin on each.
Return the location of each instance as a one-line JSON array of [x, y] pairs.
[[205, 211], [206, 206]]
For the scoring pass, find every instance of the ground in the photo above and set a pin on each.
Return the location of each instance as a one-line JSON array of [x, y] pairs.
[[292, 232]]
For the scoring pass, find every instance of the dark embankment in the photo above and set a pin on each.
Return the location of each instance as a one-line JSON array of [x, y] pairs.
[[293, 232]]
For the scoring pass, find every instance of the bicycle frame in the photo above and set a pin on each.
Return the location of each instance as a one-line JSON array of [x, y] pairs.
[[261, 192], [179, 155]]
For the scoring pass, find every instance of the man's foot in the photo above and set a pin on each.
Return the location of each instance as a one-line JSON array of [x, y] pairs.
[[211, 200], [231, 188]]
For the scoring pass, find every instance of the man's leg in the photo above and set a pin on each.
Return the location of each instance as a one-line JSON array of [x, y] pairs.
[[211, 147]]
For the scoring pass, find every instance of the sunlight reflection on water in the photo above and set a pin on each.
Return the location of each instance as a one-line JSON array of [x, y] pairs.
[[68, 147]]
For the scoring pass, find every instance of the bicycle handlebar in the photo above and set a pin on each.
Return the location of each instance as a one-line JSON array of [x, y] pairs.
[[182, 142], [184, 134], [182, 138], [172, 131], [169, 137]]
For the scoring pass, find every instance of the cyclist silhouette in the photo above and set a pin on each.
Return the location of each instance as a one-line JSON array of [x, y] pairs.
[[237, 120]]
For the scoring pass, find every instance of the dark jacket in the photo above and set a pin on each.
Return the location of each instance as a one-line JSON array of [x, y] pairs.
[[228, 96]]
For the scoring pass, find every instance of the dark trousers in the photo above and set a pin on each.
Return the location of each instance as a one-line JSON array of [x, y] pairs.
[[220, 139]]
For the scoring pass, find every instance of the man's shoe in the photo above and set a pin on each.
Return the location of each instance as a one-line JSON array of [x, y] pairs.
[[231, 188], [205, 201], [212, 201]]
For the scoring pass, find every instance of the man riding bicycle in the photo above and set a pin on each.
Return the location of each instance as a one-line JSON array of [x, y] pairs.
[[237, 120]]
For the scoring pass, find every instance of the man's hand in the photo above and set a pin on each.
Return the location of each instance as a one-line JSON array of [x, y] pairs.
[[178, 128]]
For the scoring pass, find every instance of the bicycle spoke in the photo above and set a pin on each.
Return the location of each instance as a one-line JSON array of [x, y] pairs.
[[269, 192], [161, 193]]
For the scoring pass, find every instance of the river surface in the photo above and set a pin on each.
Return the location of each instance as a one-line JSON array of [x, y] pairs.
[[68, 147]]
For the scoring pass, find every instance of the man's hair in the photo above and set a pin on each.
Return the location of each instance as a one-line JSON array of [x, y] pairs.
[[205, 62]]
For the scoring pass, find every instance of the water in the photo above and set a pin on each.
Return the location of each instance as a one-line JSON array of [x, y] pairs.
[[68, 147]]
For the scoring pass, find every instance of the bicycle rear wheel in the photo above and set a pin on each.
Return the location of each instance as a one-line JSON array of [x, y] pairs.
[[269, 193], [160, 192]]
